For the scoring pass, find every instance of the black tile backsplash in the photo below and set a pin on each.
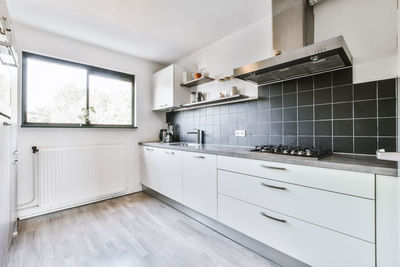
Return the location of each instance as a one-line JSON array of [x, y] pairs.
[[323, 80], [342, 77], [342, 93], [387, 88], [321, 110], [290, 87], [364, 91], [322, 96], [305, 84], [343, 110]]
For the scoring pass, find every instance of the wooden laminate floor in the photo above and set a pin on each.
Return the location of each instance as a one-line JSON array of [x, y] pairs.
[[134, 230]]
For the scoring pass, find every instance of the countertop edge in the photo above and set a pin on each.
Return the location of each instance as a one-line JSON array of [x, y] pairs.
[[363, 168]]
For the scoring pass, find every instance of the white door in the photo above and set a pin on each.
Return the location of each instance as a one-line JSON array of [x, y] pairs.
[[200, 182]]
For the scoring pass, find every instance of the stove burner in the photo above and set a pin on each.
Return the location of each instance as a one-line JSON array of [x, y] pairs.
[[308, 152]]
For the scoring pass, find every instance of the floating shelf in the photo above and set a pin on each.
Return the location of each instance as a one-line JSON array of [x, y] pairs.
[[196, 82], [214, 102]]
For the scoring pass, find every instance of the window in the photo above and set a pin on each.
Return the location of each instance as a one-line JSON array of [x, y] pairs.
[[58, 93]]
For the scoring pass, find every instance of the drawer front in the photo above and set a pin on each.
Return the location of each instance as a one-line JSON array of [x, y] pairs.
[[347, 214], [309, 243], [346, 182], [200, 182]]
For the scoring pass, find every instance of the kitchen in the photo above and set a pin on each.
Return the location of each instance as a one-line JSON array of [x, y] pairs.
[[240, 133]]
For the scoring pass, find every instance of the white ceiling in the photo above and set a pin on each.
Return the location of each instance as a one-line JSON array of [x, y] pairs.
[[157, 30]]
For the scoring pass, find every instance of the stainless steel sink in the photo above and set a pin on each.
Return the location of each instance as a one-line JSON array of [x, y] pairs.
[[185, 144]]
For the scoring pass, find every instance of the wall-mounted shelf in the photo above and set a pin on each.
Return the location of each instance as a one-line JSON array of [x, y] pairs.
[[196, 82], [215, 102]]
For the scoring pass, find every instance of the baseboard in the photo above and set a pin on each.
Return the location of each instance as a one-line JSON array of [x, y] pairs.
[[37, 211], [244, 240]]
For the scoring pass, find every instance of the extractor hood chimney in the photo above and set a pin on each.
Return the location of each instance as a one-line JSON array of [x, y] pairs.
[[293, 42]]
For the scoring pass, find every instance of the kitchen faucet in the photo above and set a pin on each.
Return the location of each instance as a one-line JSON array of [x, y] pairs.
[[199, 135]]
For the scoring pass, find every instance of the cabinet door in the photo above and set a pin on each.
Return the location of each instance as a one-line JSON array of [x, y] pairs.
[[163, 88], [169, 170], [200, 182], [149, 175]]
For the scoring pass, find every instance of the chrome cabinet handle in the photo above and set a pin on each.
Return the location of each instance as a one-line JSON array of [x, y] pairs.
[[199, 157], [163, 105], [169, 153], [272, 218], [15, 152], [273, 168], [15, 162], [149, 149], [6, 124], [274, 187]]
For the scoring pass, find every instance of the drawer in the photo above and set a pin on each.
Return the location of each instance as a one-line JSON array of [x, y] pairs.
[[343, 213], [309, 243], [346, 182]]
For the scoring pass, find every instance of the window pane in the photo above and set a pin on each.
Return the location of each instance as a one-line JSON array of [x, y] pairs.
[[55, 93], [111, 99]]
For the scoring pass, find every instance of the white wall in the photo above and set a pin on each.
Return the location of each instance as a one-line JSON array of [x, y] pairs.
[[148, 122], [368, 26], [245, 46], [370, 30]]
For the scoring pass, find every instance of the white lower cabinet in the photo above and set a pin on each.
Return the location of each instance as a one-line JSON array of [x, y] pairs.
[[346, 182], [200, 182], [350, 215], [323, 217], [306, 242], [161, 170], [387, 221]]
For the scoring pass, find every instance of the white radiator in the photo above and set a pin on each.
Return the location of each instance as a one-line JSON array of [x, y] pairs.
[[73, 175]]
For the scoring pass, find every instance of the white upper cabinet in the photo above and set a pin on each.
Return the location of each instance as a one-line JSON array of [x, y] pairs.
[[167, 92]]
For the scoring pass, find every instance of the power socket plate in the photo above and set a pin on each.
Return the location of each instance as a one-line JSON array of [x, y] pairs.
[[240, 133]]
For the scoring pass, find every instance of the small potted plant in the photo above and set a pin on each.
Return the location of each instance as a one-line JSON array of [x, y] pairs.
[[85, 116]]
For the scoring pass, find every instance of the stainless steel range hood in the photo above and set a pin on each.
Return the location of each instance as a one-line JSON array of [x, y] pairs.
[[323, 56], [293, 27]]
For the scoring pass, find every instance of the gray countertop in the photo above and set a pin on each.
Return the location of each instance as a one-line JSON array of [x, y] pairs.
[[357, 163]]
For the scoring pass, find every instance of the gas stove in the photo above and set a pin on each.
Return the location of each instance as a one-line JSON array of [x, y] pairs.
[[294, 151]]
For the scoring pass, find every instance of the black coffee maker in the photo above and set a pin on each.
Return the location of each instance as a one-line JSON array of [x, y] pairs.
[[167, 135]]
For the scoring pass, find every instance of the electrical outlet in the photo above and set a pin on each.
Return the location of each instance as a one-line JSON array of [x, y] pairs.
[[240, 133]]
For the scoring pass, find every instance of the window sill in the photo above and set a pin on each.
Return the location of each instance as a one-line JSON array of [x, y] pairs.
[[35, 125]]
